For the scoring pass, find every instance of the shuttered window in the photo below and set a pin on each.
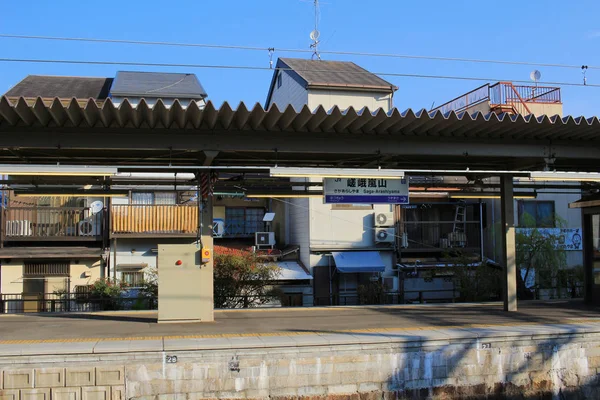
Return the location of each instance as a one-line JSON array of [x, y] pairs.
[[43, 269]]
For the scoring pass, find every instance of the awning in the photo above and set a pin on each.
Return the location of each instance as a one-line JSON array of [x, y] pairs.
[[42, 253], [291, 271], [358, 261], [131, 267], [587, 201]]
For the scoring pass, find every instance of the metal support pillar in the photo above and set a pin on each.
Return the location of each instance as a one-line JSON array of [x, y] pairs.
[[509, 287]]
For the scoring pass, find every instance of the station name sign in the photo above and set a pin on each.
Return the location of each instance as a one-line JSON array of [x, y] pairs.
[[365, 191]]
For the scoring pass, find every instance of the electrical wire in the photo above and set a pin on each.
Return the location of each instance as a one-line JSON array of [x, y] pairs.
[[256, 68], [292, 50]]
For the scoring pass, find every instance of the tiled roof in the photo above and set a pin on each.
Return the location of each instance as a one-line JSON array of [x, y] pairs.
[[425, 124], [157, 85], [337, 74], [62, 87]]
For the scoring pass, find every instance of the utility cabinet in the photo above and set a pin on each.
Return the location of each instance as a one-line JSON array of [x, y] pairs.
[[185, 285]]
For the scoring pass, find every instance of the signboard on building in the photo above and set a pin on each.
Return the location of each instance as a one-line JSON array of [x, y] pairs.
[[565, 238], [365, 190]]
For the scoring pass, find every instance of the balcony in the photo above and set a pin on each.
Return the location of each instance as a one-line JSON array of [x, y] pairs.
[[133, 220], [51, 224], [441, 236]]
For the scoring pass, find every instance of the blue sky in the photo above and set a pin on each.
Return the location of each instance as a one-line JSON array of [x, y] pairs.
[[549, 31]]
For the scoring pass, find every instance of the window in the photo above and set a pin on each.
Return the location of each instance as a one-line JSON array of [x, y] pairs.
[[243, 221], [42, 269], [133, 278], [279, 80], [536, 214], [157, 198]]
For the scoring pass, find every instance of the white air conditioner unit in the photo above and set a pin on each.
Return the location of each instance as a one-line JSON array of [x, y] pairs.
[[385, 235], [265, 239], [384, 219], [88, 227], [218, 228], [18, 228]]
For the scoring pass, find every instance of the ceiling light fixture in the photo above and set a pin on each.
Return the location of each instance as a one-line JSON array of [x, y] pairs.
[[284, 195], [488, 195], [71, 193], [288, 172], [56, 170], [566, 176]]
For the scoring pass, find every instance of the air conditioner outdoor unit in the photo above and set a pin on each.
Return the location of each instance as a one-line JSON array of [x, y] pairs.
[[384, 219], [218, 228], [18, 228], [265, 239], [88, 228], [385, 235]]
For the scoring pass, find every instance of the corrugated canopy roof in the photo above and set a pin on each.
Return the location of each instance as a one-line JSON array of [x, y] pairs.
[[40, 131], [338, 74], [157, 85], [44, 113], [62, 87]]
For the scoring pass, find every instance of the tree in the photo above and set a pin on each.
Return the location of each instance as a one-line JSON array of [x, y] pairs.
[[477, 281], [106, 293], [242, 280], [537, 253]]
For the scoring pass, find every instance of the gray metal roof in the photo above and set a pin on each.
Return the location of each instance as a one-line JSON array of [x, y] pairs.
[[40, 113], [157, 85], [335, 74], [63, 87]]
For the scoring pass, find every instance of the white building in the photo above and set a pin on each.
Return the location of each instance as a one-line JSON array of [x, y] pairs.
[[324, 230]]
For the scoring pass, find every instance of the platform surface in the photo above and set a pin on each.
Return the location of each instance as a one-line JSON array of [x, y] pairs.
[[138, 331]]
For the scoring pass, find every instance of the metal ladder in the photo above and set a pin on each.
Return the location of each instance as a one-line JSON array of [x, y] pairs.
[[460, 218]]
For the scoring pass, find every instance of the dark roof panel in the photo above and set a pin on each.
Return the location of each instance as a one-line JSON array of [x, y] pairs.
[[39, 114], [338, 74], [158, 85], [62, 87]]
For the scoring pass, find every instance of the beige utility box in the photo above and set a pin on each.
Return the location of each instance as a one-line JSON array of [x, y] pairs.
[[185, 284]]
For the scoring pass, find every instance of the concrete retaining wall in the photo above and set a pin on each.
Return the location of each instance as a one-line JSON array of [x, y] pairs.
[[499, 365]]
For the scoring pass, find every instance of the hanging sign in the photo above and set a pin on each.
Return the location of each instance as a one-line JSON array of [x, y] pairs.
[[365, 190]]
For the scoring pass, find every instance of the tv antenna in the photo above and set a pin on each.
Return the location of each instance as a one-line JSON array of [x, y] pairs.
[[314, 35], [535, 76]]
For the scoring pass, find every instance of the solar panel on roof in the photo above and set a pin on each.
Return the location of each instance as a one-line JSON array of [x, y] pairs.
[[157, 84]]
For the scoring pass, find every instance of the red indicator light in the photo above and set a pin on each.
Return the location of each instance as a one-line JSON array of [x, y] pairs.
[[178, 262]]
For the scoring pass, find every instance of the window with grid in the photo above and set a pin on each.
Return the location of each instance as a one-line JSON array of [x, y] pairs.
[[133, 278], [254, 220], [243, 221], [536, 214]]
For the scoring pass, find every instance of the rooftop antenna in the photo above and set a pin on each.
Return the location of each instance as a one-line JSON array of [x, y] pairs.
[[314, 35], [535, 76]]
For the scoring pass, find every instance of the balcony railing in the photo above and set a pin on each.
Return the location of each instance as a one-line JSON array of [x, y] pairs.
[[504, 94], [440, 235], [246, 229], [51, 223], [134, 219]]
